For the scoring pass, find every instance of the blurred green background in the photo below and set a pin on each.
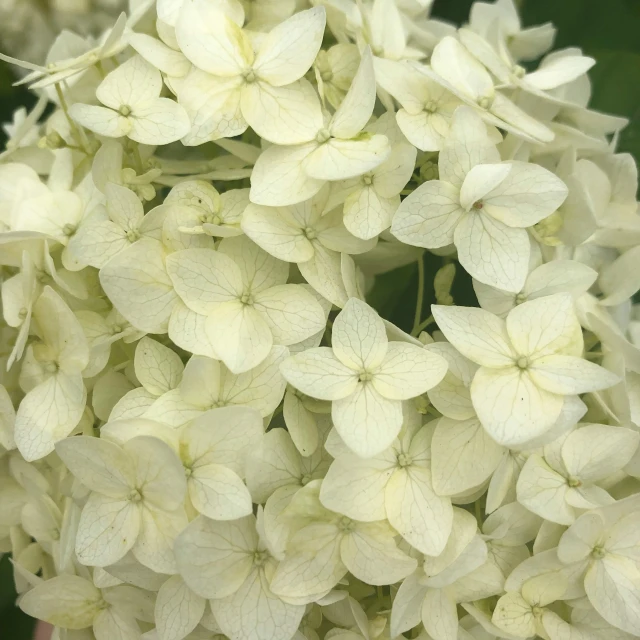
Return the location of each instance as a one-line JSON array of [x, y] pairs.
[[608, 30]]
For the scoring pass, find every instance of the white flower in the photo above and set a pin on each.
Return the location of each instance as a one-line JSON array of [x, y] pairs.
[[558, 276], [73, 602], [230, 564], [604, 544], [107, 231], [242, 291], [137, 493], [288, 175], [457, 70], [56, 395], [365, 376], [213, 448], [396, 485], [133, 107], [326, 545], [302, 234], [240, 87], [481, 205], [567, 477], [527, 364], [427, 107]]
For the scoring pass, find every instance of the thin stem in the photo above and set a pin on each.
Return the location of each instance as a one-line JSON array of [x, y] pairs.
[[478, 510], [418, 314], [72, 125], [137, 158], [422, 326]]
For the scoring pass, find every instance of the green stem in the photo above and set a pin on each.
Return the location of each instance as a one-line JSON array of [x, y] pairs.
[[72, 125], [418, 314], [422, 326]]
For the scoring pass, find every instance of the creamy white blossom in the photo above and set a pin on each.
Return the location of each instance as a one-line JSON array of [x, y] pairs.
[[225, 408]]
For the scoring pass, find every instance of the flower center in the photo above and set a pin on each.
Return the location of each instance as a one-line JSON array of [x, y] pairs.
[[322, 136], [246, 298], [135, 496], [367, 179], [326, 76], [404, 460], [68, 229], [477, 205], [522, 362], [365, 376], [519, 72], [22, 314], [431, 106], [125, 110], [50, 367], [345, 524], [520, 298], [249, 76], [598, 553], [574, 482], [485, 102], [306, 479], [310, 233], [260, 557]]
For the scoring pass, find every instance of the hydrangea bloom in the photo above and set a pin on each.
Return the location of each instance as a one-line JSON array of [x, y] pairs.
[[223, 417]]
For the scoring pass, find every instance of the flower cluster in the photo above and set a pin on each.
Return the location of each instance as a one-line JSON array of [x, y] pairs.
[[207, 432]]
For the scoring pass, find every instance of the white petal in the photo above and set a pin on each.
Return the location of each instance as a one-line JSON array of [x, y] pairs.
[[283, 115], [178, 610], [452, 61], [428, 216], [240, 335], [215, 558], [100, 120], [319, 374], [138, 285], [255, 613], [99, 464], [374, 559], [513, 615], [511, 407], [467, 145], [355, 487], [324, 273], [477, 334], [367, 422], [133, 82], [65, 601], [211, 40], [545, 326], [492, 252], [359, 337], [528, 194], [543, 491], [289, 50], [107, 530], [159, 472], [218, 493], [312, 565], [110, 624], [291, 313], [421, 517], [594, 451], [339, 159], [569, 375], [160, 121], [261, 388], [408, 371], [279, 178], [561, 70], [407, 605], [480, 181], [158, 531], [439, 615], [612, 589], [278, 232], [203, 278], [356, 108], [213, 107], [48, 413], [171, 62], [158, 368], [463, 455]]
